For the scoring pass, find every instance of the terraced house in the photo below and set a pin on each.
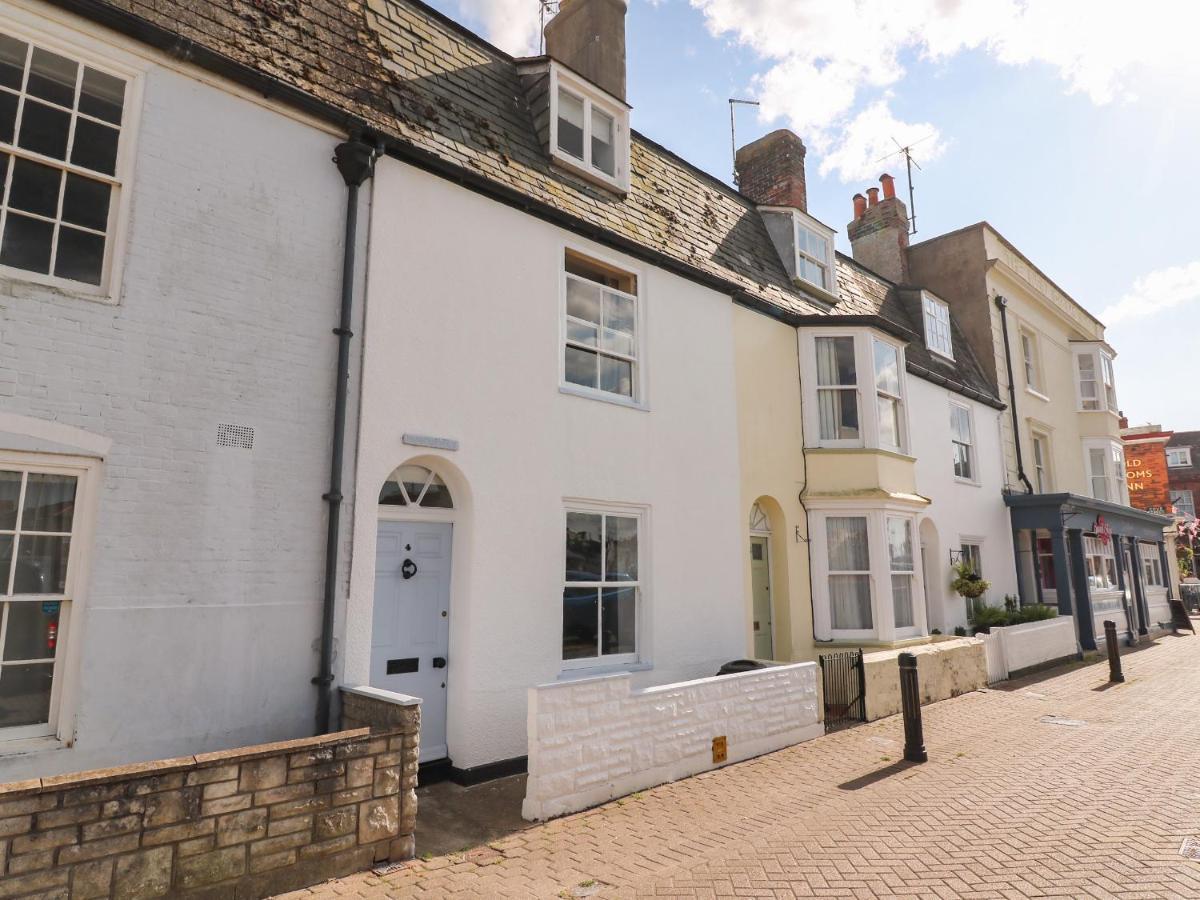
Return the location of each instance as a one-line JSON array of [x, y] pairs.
[[505, 399]]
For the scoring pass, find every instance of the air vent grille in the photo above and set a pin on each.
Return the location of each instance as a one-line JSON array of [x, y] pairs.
[[240, 436]]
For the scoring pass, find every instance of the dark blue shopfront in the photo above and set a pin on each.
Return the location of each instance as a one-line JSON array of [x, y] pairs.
[[1095, 560]]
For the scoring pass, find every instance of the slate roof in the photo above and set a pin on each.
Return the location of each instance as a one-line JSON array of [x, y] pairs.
[[442, 96]]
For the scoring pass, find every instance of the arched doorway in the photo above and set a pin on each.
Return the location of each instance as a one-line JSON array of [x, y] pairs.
[[410, 635], [760, 583], [931, 555]]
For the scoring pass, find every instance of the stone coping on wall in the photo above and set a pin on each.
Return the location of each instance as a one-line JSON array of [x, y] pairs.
[[242, 823]]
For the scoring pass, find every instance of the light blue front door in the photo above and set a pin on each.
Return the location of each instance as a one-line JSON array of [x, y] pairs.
[[410, 638]]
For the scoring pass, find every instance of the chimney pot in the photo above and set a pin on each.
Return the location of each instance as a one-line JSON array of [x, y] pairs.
[[771, 170], [860, 205], [873, 196], [889, 186]]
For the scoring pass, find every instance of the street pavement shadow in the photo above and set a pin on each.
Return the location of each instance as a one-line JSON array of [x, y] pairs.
[[857, 784]]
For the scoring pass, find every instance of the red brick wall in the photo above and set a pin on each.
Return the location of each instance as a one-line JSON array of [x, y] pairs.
[[1146, 475]]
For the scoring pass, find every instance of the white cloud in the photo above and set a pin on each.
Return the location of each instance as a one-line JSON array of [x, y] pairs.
[[829, 60], [512, 25], [872, 135], [1155, 292]]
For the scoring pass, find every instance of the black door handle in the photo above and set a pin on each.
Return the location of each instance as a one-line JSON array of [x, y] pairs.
[[439, 662]]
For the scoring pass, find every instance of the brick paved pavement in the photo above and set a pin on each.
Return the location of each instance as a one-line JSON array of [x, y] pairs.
[[1007, 806]]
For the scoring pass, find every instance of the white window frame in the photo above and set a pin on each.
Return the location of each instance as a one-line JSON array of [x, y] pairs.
[[882, 601], [1097, 556], [1043, 468], [972, 461], [638, 400], [68, 648], [562, 78], [897, 398], [864, 387], [1185, 499], [936, 315], [58, 38], [1105, 399], [1114, 470], [614, 660], [1032, 362], [1151, 562], [1182, 455], [821, 231]]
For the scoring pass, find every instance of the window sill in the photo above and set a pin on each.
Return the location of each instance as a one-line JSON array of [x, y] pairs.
[[614, 399], [602, 669], [968, 482], [26, 746], [22, 284], [1035, 393]]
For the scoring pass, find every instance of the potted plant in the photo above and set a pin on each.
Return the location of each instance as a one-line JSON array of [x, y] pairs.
[[967, 582]]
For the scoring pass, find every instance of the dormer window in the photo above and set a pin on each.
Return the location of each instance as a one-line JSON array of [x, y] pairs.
[[812, 256], [937, 326], [590, 130], [814, 252]]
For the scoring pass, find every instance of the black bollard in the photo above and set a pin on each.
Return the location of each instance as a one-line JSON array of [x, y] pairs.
[[910, 702], [1114, 654]]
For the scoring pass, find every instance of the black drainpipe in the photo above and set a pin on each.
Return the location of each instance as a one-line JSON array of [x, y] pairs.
[[355, 160], [1002, 305]]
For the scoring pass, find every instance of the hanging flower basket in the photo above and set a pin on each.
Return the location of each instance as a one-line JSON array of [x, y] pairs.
[[967, 582]]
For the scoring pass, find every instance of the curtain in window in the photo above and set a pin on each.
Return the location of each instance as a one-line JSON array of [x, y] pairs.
[[837, 408], [900, 555], [849, 594]]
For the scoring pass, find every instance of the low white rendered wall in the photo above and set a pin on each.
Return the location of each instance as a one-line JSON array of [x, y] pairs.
[[1017, 647], [595, 739]]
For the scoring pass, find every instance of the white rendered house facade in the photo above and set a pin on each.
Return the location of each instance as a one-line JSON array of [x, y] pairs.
[[168, 281]]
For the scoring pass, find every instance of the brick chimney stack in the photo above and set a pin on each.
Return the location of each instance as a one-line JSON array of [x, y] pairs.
[[879, 233], [589, 37], [771, 170]]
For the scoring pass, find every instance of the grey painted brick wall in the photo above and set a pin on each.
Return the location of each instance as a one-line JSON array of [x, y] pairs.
[[205, 588]]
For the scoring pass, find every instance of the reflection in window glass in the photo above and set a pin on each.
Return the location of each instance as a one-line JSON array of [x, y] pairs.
[[37, 515], [52, 106], [600, 596], [837, 389], [570, 124]]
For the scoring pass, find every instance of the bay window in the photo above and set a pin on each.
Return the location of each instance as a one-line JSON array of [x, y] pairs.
[[854, 390], [887, 394], [866, 574], [849, 573], [837, 389], [1095, 385], [601, 590], [1105, 466], [902, 569]]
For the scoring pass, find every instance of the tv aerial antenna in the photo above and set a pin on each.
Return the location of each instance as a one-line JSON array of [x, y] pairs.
[[905, 150], [547, 9], [733, 101]]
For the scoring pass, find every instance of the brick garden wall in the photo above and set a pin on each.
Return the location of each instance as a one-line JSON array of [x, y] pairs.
[[239, 823]]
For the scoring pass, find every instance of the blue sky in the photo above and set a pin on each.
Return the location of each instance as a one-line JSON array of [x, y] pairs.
[[1075, 134]]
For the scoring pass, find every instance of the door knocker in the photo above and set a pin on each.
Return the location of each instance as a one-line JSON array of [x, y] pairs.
[[408, 569]]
